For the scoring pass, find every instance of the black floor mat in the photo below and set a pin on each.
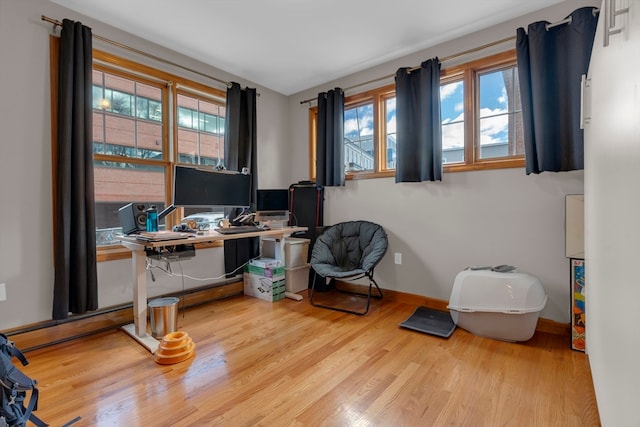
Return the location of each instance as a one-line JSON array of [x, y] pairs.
[[430, 321]]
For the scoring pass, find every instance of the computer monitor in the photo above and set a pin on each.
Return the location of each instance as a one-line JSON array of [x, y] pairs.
[[202, 188], [272, 205]]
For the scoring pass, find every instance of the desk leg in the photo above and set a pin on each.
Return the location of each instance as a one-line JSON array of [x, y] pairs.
[[139, 328]]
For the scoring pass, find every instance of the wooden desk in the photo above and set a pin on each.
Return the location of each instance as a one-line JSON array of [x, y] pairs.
[[138, 330]]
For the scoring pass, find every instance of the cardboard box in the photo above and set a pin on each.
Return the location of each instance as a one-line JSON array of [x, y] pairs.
[[265, 262], [267, 283]]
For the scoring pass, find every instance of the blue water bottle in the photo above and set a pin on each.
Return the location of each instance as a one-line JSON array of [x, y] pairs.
[[152, 219]]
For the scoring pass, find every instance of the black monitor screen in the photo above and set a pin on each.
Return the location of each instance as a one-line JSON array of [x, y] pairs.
[[272, 200], [194, 187]]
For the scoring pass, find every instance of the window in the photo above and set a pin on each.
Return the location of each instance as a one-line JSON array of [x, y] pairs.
[[200, 130], [500, 114], [200, 139], [482, 115], [133, 156], [129, 145], [358, 138], [390, 132], [452, 116], [481, 121]]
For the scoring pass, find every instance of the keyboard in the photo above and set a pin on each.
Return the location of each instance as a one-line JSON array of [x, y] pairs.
[[237, 229]]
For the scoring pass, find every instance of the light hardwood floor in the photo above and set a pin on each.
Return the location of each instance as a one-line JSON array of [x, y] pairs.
[[290, 364]]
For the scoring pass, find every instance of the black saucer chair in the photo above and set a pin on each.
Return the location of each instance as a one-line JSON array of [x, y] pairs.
[[346, 252]]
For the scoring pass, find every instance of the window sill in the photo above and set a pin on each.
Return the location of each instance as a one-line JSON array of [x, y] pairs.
[[370, 174], [112, 253], [486, 165], [450, 168]]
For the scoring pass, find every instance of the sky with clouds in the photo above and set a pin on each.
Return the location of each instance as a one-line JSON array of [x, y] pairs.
[[494, 124]]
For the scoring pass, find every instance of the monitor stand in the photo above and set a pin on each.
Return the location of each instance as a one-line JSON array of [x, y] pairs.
[[273, 224], [271, 216]]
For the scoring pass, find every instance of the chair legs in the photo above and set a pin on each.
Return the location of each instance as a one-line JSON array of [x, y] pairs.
[[369, 295]]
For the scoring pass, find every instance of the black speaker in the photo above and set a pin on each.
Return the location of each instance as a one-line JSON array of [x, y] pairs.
[[133, 217]]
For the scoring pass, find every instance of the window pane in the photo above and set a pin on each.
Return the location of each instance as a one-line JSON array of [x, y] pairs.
[[358, 138], [200, 131], [126, 117], [205, 219], [390, 108], [452, 112], [142, 108], [500, 116], [121, 103], [117, 184], [452, 152], [185, 117]]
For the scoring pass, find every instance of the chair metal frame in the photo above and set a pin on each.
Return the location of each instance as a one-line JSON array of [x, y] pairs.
[[369, 295], [343, 277]]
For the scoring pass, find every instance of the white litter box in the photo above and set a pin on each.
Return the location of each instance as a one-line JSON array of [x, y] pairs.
[[502, 306]]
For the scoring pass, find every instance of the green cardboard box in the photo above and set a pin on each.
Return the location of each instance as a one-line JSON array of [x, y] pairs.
[[266, 283]]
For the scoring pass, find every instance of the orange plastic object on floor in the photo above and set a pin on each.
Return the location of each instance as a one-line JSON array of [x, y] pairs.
[[175, 347]]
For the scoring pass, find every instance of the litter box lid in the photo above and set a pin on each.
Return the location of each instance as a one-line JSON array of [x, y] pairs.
[[483, 290]]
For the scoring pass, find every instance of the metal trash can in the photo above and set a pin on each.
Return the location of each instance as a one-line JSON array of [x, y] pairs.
[[164, 316]]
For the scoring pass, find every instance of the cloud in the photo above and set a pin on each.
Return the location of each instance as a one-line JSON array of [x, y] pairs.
[[453, 134], [391, 125], [503, 98], [391, 105], [459, 118], [495, 127], [449, 89], [391, 110], [366, 126]]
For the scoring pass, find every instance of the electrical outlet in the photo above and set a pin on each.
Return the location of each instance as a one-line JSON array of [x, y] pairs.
[[3, 291], [398, 258]]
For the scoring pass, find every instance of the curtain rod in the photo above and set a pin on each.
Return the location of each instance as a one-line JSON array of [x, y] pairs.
[[139, 52], [568, 20], [446, 58], [457, 55]]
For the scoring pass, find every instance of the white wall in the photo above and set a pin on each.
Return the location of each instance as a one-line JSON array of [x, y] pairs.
[[442, 228], [26, 248], [470, 218]]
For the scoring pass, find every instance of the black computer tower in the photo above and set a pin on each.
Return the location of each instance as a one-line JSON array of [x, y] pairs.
[[306, 200], [306, 209]]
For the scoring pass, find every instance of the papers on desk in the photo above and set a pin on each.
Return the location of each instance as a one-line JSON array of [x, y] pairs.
[[159, 236]]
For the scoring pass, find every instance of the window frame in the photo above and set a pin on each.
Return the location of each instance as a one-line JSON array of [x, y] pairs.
[[119, 66], [467, 73]]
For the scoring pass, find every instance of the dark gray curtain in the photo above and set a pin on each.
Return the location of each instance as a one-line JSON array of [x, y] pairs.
[[240, 142], [551, 62], [76, 283], [240, 151], [418, 131], [330, 139]]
